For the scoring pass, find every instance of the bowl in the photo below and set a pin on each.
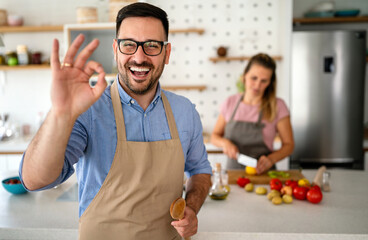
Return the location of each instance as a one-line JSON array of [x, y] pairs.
[[347, 13], [15, 20], [13, 185]]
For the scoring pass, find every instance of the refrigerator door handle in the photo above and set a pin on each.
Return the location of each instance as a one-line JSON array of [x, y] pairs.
[[329, 66]]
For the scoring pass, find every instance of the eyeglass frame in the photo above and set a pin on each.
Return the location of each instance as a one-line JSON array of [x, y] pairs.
[[162, 43]]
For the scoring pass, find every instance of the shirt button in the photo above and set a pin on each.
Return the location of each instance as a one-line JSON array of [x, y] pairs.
[[145, 115], [132, 101]]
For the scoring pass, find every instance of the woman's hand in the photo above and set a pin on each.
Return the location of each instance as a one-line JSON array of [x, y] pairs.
[[264, 163], [71, 93], [230, 149]]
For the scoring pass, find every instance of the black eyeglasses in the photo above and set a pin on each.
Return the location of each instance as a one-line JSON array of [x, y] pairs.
[[150, 48]]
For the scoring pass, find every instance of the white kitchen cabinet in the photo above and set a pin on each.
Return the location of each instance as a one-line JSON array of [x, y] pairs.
[[9, 163]]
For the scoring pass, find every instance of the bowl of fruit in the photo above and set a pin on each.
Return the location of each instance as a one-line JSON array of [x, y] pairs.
[[13, 185]]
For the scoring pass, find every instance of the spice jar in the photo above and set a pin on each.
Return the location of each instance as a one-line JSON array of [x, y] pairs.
[[36, 58], [22, 53]]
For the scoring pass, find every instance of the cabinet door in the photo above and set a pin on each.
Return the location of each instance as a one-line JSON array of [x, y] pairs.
[[10, 163]]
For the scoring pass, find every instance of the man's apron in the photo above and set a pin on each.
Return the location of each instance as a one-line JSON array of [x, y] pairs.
[[144, 178], [247, 136]]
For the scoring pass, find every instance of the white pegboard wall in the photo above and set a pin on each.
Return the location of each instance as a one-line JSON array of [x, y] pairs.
[[245, 27]]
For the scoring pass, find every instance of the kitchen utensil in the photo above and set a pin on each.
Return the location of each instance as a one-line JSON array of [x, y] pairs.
[[247, 161], [318, 178], [177, 210], [262, 178], [13, 185]]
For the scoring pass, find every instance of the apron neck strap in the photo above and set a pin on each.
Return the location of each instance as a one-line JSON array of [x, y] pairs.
[[170, 117], [260, 117], [118, 111], [236, 107]]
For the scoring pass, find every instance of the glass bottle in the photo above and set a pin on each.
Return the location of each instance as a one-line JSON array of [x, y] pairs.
[[326, 182], [218, 190]]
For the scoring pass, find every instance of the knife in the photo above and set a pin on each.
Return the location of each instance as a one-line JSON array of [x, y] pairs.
[[247, 161]]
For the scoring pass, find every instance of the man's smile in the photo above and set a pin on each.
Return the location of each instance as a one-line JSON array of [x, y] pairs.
[[139, 72]]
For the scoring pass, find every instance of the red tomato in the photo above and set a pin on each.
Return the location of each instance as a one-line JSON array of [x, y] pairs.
[[276, 184], [242, 181], [314, 196], [316, 187], [300, 193], [292, 183]]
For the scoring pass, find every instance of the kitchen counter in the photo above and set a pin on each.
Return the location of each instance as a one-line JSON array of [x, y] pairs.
[[342, 214]]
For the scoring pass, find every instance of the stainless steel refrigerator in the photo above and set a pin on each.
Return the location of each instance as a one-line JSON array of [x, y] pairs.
[[327, 98]]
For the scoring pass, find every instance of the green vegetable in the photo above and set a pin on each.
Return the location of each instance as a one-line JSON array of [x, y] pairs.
[[277, 174]]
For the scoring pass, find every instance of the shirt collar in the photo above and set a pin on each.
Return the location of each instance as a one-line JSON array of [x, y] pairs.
[[126, 98]]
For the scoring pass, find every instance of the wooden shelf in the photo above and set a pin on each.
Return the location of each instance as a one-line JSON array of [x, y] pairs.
[[24, 67], [200, 31], [330, 20], [240, 58], [184, 87], [20, 29]]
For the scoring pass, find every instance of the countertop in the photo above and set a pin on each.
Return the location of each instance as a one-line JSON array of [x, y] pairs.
[[342, 214]]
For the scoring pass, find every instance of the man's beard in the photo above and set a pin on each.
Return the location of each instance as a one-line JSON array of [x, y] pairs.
[[155, 75]]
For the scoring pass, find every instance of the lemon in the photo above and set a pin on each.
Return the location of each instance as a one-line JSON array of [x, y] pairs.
[[303, 182], [250, 170]]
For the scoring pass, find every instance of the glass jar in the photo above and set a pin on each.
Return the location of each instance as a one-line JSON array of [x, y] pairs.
[[22, 53]]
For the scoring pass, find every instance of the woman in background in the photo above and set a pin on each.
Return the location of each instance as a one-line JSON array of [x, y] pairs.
[[249, 121]]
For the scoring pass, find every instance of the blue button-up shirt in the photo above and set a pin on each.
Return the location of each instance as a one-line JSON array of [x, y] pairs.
[[93, 140]]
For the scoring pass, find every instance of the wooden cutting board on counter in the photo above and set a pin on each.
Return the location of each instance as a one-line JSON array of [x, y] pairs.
[[233, 175]]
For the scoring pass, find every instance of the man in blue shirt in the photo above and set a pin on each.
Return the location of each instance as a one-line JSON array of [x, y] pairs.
[[131, 141]]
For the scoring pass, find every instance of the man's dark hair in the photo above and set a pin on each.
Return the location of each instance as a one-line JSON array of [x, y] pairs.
[[142, 10]]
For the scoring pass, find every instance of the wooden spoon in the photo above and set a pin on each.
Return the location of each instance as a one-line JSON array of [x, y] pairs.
[[177, 210]]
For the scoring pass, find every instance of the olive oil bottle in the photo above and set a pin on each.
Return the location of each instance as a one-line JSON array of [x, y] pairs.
[[218, 190]]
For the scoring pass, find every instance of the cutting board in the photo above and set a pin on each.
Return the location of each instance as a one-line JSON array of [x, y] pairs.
[[233, 175]]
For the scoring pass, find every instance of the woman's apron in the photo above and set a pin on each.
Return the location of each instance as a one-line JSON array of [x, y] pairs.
[[247, 136], [144, 178]]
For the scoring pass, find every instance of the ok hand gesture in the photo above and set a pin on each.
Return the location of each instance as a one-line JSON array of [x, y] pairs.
[[71, 93]]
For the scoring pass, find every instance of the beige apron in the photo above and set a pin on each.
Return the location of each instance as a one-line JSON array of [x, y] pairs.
[[145, 177], [247, 136]]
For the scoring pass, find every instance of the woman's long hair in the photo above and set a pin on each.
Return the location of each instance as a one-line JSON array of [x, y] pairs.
[[268, 104]]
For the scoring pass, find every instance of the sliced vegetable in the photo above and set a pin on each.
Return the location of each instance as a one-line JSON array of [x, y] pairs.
[[277, 174]]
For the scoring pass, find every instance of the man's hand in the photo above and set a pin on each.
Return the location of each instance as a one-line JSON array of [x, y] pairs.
[[71, 93], [187, 226]]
